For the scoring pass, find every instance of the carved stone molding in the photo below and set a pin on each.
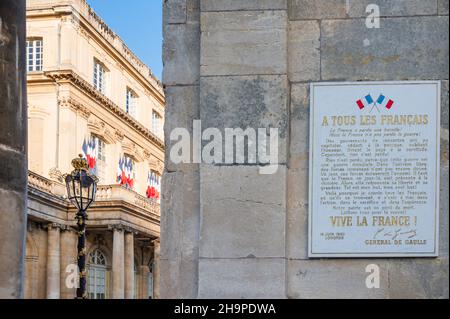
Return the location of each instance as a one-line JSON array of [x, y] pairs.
[[101, 129], [120, 227], [56, 174], [61, 227], [87, 88], [119, 135], [68, 102], [130, 148]]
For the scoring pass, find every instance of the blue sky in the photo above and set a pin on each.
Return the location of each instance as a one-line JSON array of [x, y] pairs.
[[139, 24]]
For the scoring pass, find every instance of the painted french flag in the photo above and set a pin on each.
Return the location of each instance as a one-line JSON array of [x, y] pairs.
[[385, 102], [364, 102]]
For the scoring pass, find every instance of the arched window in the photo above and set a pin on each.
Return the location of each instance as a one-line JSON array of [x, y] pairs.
[[96, 280]]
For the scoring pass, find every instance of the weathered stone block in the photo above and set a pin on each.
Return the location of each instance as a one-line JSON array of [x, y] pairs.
[[392, 8], [443, 7], [182, 108], [331, 278], [181, 54], [242, 278], [444, 104], [13, 219], [297, 213], [244, 214], [174, 11], [13, 172], [243, 42], [316, 9], [246, 102], [413, 48], [418, 278], [303, 51], [230, 5], [180, 220], [299, 137], [179, 278]]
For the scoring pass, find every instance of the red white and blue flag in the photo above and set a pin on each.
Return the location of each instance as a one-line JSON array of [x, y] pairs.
[[125, 172], [385, 102], [89, 149], [365, 102], [153, 186], [368, 101]]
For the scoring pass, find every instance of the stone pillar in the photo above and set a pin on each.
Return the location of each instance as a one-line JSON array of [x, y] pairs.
[[118, 264], [156, 270], [53, 261], [129, 265], [68, 257], [13, 158], [145, 272]]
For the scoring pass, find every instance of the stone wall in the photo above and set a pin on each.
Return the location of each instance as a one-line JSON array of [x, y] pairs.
[[13, 158], [230, 232]]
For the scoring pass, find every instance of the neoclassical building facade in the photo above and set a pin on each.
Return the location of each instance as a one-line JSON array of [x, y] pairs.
[[89, 94]]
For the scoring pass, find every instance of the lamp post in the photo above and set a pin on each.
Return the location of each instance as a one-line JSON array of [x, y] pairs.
[[81, 189]]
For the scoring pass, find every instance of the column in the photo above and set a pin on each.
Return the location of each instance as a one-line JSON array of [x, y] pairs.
[[69, 267], [53, 261], [118, 264], [13, 158], [156, 268], [129, 265], [145, 272]]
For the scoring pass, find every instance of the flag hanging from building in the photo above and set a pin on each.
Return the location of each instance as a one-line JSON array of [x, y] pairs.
[[153, 186], [89, 149], [125, 172]]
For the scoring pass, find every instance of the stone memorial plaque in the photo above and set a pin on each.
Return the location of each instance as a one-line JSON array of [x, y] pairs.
[[374, 169]]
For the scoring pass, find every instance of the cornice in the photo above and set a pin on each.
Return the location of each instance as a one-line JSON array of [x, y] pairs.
[[69, 76], [88, 23]]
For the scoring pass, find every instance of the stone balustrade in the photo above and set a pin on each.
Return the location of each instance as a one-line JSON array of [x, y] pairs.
[[104, 192]]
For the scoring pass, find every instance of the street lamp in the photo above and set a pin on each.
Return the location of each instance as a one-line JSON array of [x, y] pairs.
[[81, 189]]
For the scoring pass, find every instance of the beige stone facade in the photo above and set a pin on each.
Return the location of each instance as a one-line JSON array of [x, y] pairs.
[[89, 94]]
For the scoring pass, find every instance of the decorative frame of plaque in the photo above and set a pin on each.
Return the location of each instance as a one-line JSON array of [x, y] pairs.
[[374, 166]]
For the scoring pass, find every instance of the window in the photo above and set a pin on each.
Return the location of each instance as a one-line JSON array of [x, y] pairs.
[[99, 76], [94, 151], [96, 280], [101, 159], [154, 186], [126, 173], [34, 54], [156, 124], [131, 102]]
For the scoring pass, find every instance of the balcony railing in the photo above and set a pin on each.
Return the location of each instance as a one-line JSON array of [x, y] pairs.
[[104, 192], [117, 192]]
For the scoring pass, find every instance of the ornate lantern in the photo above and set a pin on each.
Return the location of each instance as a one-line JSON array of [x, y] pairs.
[[81, 190]]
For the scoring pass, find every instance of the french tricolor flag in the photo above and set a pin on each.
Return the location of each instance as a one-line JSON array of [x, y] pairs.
[[383, 101], [365, 102]]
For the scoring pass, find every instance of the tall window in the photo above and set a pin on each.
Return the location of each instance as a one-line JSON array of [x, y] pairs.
[[96, 280], [101, 159], [34, 54], [99, 76], [126, 175], [131, 102], [156, 124], [94, 150]]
